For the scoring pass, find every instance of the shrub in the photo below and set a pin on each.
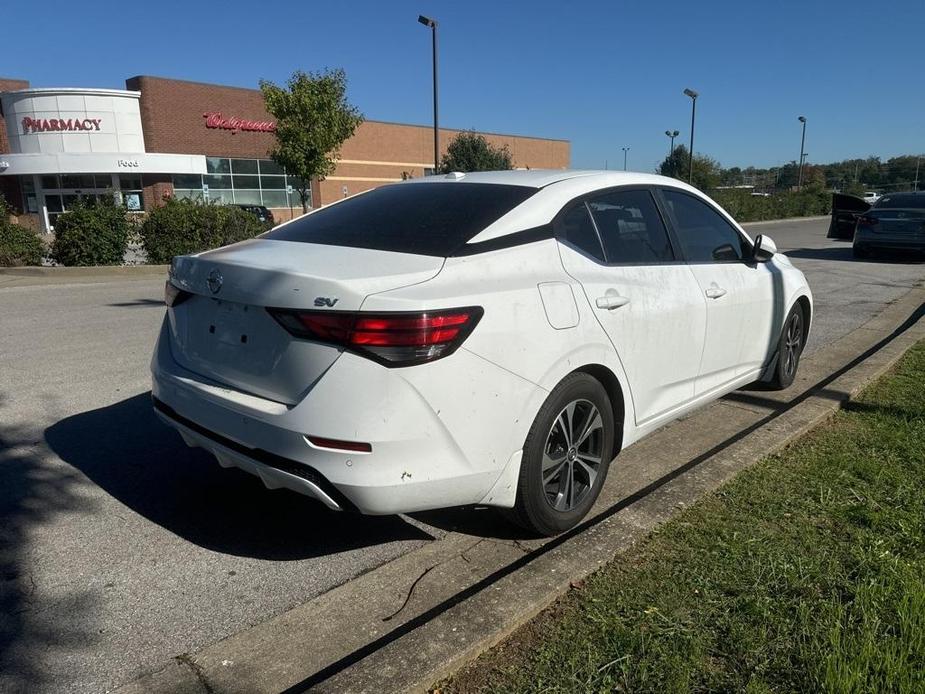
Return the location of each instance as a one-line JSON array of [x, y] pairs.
[[18, 245], [94, 232], [745, 207], [184, 226]]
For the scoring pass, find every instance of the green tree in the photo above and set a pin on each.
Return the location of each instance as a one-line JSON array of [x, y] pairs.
[[707, 171], [470, 151], [313, 119]]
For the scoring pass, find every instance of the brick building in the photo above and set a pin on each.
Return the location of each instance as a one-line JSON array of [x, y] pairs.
[[162, 137]]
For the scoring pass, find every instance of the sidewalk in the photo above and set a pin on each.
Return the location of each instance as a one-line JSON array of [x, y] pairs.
[[31, 276]]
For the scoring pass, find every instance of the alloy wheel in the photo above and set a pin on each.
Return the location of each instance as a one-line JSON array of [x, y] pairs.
[[572, 455], [793, 340]]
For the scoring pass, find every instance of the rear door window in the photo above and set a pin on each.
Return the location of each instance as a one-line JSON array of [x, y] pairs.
[[631, 228], [704, 234], [435, 219]]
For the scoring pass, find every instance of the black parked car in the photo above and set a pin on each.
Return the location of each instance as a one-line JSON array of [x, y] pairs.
[[896, 221], [260, 212]]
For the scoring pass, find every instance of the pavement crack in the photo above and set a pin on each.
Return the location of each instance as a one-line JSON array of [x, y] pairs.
[[410, 592], [196, 669]]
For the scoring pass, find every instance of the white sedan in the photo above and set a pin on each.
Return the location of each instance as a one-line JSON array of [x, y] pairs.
[[486, 338]]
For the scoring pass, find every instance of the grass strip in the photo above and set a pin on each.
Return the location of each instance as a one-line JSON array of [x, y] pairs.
[[806, 573]]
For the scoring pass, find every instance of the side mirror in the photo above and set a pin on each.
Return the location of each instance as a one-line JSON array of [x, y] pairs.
[[765, 249]]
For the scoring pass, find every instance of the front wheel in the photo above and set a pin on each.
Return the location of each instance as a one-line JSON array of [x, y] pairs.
[[566, 456], [789, 349]]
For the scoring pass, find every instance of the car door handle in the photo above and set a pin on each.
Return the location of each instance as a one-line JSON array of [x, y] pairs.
[[611, 301], [715, 292]]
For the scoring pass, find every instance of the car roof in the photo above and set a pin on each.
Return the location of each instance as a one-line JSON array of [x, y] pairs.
[[540, 178]]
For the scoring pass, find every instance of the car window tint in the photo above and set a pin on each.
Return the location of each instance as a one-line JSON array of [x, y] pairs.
[[631, 228], [576, 228], [900, 201], [424, 218], [704, 234]]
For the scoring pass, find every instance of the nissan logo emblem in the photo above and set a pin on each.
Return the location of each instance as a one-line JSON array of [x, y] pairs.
[[215, 281]]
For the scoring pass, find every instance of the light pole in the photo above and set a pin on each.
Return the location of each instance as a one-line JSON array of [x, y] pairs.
[[690, 168], [432, 23], [915, 185], [672, 134], [625, 150], [802, 119]]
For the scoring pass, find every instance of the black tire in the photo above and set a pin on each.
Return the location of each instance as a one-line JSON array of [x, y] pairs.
[[789, 348], [547, 508], [860, 252]]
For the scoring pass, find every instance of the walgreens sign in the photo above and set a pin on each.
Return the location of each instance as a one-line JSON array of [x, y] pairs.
[[215, 119], [59, 125]]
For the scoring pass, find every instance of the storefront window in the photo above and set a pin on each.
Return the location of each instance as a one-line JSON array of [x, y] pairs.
[[28, 195], [132, 195], [217, 181], [244, 166], [268, 166], [241, 181], [218, 165], [50, 182]]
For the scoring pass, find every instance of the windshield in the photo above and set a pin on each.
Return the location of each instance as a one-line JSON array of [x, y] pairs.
[[423, 218]]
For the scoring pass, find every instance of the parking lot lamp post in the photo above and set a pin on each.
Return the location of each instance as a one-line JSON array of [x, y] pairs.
[[690, 168], [915, 185], [671, 134], [432, 23], [625, 150], [802, 119]]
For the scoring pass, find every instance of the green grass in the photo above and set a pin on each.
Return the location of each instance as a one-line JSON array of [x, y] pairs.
[[806, 573]]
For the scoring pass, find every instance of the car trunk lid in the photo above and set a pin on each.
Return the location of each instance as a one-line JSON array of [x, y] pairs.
[[898, 222], [223, 331]]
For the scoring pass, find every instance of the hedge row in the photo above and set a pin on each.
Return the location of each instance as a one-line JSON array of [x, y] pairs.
[[745, 207], [184, 226]]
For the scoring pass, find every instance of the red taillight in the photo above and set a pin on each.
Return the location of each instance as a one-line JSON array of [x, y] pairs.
[[393, 339], [868, 221]]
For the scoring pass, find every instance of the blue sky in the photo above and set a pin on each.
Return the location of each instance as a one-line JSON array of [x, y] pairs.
[[601, 74]]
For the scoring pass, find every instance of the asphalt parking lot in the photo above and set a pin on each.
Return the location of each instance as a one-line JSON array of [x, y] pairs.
[[120, 547]]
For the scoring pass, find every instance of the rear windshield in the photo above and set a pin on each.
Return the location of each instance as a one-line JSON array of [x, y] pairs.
[[899, 201], [424, 218]]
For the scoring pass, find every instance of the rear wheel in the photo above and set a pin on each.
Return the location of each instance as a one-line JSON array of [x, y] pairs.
[[859, 252], [789, 349], [566, 456]]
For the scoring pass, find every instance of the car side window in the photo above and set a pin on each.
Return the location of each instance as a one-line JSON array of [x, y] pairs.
[[576, 228], [631, 228], [704, 234]]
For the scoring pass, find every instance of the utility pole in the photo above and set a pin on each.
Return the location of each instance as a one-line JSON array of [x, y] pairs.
[[432, 23], [802, 119], [690, 169], [915, 185]]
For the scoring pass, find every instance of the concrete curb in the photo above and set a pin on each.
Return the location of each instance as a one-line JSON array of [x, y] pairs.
[[47, 276], [784, 221], [419, 618]]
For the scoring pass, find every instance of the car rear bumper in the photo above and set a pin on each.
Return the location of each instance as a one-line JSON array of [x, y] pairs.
[[883, 241], [421, 455]]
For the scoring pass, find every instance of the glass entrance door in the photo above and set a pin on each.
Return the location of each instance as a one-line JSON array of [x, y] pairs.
[[61, 193]]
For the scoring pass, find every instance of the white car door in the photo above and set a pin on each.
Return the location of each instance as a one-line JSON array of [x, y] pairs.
[[651, 307], [739, 293]]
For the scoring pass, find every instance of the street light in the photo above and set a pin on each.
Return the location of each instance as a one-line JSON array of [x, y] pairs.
[[693, 95], [625, 150], [802, 119], [672, 134], [432, 23]]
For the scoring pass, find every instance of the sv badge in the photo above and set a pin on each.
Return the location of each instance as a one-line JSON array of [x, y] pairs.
[[322, 301]]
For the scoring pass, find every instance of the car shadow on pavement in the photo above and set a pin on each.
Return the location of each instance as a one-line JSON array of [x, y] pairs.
[[845, 253], [129, 453]]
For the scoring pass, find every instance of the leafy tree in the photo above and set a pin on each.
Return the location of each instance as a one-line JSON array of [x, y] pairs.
[[707, 171], [313, 119], [470, 151]]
